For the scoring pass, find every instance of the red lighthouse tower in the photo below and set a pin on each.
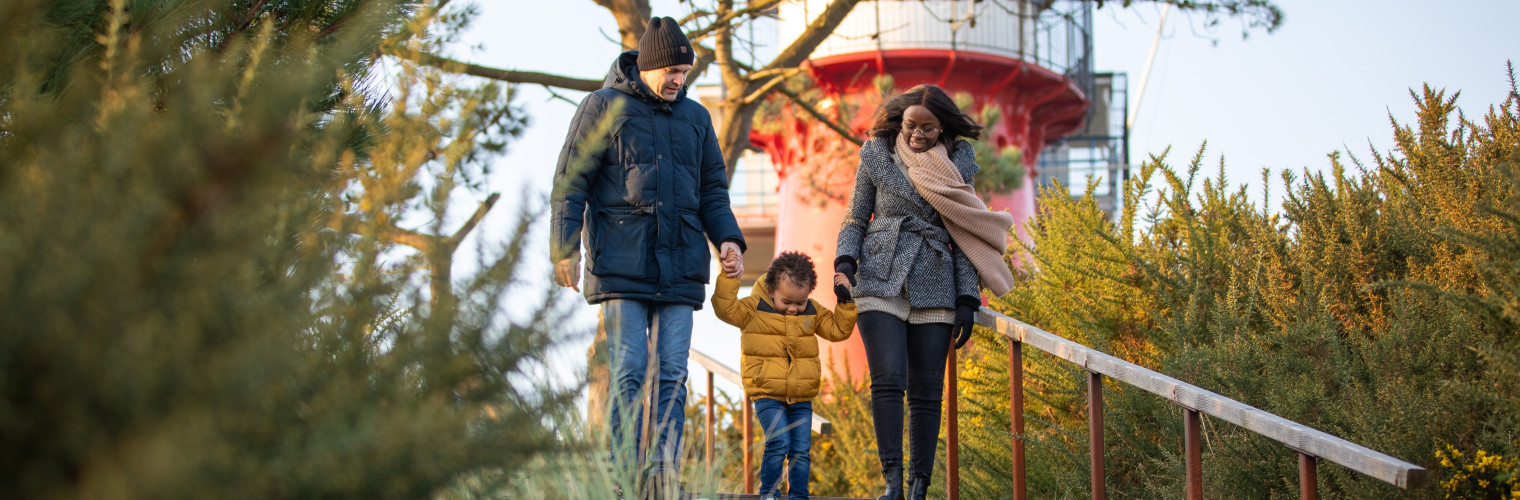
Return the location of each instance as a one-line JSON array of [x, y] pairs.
[[1027, 63]]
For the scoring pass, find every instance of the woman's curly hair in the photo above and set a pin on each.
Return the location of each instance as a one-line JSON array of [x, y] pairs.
[[796, 266]]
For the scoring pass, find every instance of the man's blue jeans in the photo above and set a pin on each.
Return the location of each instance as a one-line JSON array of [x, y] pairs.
[[788, 437], [633, 328]]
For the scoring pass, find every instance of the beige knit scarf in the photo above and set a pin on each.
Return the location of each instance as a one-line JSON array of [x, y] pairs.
[[980, 233]]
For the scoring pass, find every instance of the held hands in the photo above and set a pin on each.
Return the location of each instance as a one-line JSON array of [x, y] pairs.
[[965, 317], [842, 287], [731, 259], [845, 270], [567, 273]]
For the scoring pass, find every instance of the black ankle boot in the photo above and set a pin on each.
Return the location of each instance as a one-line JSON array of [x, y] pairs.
[[892, 474], [918, 487]]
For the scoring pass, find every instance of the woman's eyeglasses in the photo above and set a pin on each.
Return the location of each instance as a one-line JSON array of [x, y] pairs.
[[924, 132]]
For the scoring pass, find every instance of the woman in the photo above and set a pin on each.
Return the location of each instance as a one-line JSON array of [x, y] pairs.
[[917, 239]]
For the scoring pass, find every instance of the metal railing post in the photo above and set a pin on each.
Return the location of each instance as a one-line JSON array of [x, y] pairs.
[[1095, 433], [1194, 453], [749, 470], [952, 424], [710, 419], [1016, 402], [1308, 478]]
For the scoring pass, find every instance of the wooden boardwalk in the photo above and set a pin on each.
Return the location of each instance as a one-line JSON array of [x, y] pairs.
[[1311, 445]]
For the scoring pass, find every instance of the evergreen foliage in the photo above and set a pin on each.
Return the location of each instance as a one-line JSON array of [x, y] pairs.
[[223, 258], [845, 463], [1378, 304]]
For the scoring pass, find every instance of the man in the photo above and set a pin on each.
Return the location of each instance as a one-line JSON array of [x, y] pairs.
[[644, 193]]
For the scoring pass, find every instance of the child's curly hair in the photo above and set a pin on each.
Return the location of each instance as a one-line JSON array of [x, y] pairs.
[[796, 266]]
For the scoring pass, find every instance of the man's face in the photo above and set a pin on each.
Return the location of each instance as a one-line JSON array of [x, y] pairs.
[[666, 82]]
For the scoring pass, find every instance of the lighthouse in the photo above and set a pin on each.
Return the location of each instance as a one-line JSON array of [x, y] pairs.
[[1030, 64]]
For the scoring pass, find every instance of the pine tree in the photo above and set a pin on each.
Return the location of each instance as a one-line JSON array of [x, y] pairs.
[[1377, 304], [227, 258]]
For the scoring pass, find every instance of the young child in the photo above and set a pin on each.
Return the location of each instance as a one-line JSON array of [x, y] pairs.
[[780, 366]]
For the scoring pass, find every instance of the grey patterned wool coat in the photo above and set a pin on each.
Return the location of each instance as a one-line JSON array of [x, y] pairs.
[[905, 243]]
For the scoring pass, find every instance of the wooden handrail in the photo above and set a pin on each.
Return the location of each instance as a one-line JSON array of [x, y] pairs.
[[1309, 442], [821, 425], [717, 368]]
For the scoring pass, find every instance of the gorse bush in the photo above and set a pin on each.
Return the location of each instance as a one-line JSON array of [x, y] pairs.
[[226, 260], [845, 463], [1481, 476], [1378, 303]]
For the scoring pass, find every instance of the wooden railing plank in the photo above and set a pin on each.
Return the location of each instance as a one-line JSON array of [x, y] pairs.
[[717, 368], [820, 425], [1295, 435]]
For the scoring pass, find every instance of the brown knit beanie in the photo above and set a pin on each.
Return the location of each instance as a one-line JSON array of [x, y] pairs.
[[664, 45]]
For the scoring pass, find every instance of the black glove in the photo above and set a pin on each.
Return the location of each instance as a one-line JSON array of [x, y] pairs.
[[846, 266], [965, 317], [842, 294]]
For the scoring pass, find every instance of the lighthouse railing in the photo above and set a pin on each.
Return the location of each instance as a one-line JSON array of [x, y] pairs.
[[1056, 36], [1311, 444]]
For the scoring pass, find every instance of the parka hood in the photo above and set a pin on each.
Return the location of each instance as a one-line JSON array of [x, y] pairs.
[[624, 76], [761, 292]]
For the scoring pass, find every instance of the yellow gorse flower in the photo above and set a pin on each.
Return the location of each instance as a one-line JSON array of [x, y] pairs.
[[1480, 476]]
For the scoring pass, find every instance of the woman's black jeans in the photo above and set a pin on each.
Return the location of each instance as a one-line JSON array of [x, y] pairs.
[[905, 358]]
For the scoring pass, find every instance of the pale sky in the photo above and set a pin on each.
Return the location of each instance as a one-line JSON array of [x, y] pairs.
[[1327, 80]]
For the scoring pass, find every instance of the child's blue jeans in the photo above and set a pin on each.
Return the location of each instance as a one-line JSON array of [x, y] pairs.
[[788, 436]]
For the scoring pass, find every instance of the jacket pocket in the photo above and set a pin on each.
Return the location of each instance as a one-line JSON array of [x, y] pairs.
[[632, 140], [878, 251], [640, 182], [686, 143], [695, 254], [621, 242]]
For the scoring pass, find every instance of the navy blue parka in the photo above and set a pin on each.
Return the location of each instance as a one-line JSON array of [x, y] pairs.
[[643, 192]]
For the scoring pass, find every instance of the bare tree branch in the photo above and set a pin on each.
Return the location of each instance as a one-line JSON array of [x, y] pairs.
[[704, 59], [746, 87], [510, 76], [738, 108], [816, 32], [425, 243], [554, 94], [1263, 14], [693, 16], [422, 242], [723, 49], [779, 79], [347, 224], [812, 110], [480, 213], [727, 15], [632, 17], [767, 73]]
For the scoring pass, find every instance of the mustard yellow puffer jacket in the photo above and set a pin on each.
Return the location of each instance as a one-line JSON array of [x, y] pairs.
[[780, 352]]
